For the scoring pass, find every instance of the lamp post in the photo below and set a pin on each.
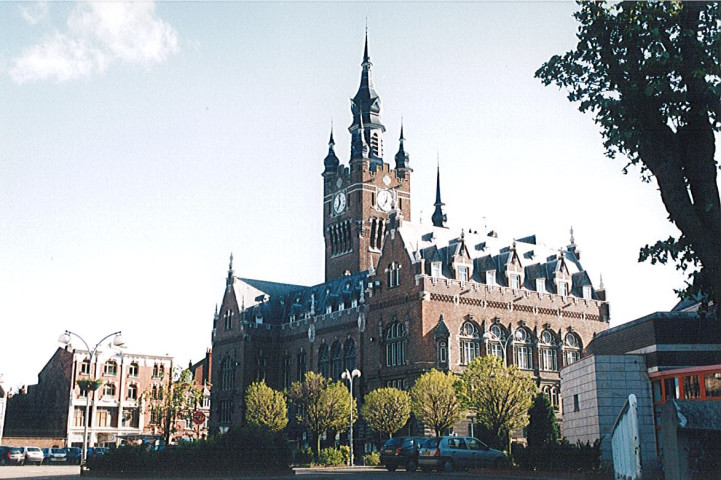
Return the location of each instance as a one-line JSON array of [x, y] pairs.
[[65, 340], [346, 375], [492, 336]]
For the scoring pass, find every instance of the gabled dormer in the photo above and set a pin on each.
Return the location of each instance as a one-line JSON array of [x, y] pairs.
[[514, 270], [561, 278], [461, 261]]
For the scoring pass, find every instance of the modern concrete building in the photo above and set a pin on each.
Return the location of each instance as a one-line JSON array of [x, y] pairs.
[[400, 298]]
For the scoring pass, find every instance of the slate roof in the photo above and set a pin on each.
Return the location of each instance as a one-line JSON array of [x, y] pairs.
[[488, 252], [276, 303]]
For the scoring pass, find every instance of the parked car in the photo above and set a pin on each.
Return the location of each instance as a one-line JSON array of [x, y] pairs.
[[55, 455], [451, 453], [33, 455], [74, 455], [96, 451], [11, 456], [401, 452]]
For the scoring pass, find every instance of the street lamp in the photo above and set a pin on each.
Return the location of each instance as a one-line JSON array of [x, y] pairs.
[[492, 336], [65, 340], [350, 376]]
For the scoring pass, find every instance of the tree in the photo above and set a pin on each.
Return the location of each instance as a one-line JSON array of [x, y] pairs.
[[542, 425], [650, 74], [434, 401], [323, 405], [500, 396], [265, 407], [175, 400], [386, 410]]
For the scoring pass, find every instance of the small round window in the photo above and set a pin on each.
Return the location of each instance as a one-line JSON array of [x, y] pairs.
[[546, 337], [571, 340]]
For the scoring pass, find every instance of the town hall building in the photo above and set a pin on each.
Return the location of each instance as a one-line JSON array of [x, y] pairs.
[[400, 298]]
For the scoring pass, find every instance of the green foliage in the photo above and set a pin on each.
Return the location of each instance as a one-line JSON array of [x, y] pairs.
[[174, 400], [331, 457], [304, 456], [386, 410], [500, 396], [324, 405], [265, 407], [542, 425], [239, 450], [372, 459], [560, 457], [434, 401], [345, 451], [650, 74]]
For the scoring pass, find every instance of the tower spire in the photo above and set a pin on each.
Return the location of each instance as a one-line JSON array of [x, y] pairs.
[[402, 159], [331, 161], [439, 217], [231, 273], [366, 109]]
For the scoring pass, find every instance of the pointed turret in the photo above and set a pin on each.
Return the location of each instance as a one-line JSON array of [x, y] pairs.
[[402, 160], [331, 161], [231, 273], [439, 217], [366, 109]]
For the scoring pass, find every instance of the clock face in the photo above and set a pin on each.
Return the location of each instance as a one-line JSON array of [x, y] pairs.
[[339, 202], [385, 200]]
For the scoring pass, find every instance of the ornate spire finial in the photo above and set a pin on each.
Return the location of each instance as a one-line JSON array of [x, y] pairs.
[[600, 283], [402, 158], [439, 217], [573, 241], [231, 274], [331, 161]]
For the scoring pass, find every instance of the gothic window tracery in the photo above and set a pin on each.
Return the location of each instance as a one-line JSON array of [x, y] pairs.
[[495, 345], [548, 354], [336, 354], [226, 374], [302, 361], [470, 343], [572, 348], [349, 355], [523, 349], [324, 360], [395, 345]]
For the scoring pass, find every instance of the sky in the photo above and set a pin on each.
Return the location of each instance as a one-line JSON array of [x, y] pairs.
[[143, 143]]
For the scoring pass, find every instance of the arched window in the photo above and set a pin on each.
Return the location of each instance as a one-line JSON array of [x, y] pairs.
[[324, 360], [226, 374], [133, 370], [395, 345], [548, 354], [442, 353], [394, 275], [132, 392], [551, 392], [110, 368], [336, 354], [109, 389], [523, 349], [470, 343], [349, 355], [302, 362], [495, 343], [572, 348], [85, 367]]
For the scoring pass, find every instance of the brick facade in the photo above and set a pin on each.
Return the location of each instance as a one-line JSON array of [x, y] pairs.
[[400, 298]]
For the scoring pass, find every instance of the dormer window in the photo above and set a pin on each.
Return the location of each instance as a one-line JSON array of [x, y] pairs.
[[463, 274], [515, 281], [541, 285], [341, 306], [491, 277], [436, 269], [259, 318], [587, 292], [291, 318], [563, 289], [354, 303], [328, 308]]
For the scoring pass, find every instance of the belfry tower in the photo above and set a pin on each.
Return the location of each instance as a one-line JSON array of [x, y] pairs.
[[358, 198]]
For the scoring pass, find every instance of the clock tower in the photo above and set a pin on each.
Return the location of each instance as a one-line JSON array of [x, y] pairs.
[[360, 198]]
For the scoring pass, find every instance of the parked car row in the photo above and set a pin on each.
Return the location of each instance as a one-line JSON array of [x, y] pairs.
[[47, 456], [444, 454]]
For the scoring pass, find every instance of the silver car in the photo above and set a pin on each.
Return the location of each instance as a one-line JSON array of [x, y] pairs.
[[33, 455], [454, 452]]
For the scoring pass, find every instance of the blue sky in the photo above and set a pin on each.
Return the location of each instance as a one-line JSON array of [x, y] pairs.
[[141, 144]]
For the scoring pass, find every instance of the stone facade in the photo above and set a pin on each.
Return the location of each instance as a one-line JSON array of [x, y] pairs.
[[399, 298], [594, 391]]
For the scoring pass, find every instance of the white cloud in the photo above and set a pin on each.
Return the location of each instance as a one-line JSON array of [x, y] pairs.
[[35, 13], [98, 34]]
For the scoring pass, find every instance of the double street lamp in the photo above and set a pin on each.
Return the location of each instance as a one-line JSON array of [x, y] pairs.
[[493, 337], [346, 375], [65, 340]]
